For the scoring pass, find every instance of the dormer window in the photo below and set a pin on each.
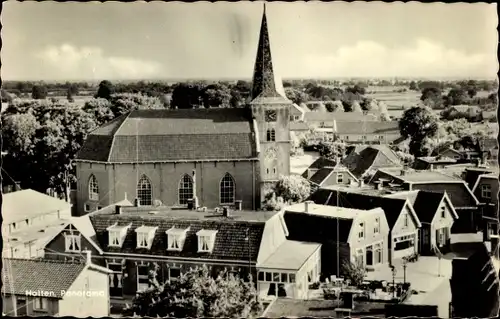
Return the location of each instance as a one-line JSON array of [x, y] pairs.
[[176, 238], [206, 240], [73, 242], [145, 236], [117, 234]]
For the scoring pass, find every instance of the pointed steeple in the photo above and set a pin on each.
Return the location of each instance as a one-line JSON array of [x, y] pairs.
[[263, 83]]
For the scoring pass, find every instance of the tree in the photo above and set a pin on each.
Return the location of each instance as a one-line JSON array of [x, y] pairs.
[[456, 97], [472, 92], [188, 95], [216, 95], [417, 124], [39, 92], [41, 138], [357, 89], [198, 294], [291, 189], [356, 107], [296, 96], [105, 90], [431, 96], [332, 150], [100, 109], [69, 96], [354, 272], [413, 86], [384, 115]]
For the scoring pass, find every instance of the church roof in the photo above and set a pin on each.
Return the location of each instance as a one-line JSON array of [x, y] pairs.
[[173, 135], [265, 83]]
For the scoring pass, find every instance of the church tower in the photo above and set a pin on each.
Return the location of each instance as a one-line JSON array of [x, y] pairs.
[[271, 113]]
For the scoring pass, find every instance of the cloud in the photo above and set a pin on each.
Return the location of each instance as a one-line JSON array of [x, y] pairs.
[[423, 58], [70, 62]]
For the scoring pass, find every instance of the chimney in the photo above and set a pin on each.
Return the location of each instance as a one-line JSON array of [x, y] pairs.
[[431, 168], [361, 183], [118, 209], [239, 204], [225, 211], [378, 185], [88, 255], [137, 202], [403, 172], [308, 204], [17, 186]]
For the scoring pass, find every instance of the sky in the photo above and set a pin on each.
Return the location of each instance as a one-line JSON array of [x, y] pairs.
[[158, 40]]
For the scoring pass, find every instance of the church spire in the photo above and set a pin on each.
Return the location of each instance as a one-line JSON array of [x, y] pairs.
[[263, 83]]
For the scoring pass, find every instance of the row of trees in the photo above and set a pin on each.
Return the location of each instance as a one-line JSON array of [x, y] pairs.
[[436, 99]]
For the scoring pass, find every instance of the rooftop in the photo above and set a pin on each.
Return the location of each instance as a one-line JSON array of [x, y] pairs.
[[411, 176], [22, 275], [165, 212], [34, 233], [437, 160], [328, 211], [290, 255], [365, 189], [23, 204]]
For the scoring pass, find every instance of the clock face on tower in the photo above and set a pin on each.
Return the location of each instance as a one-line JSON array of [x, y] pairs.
[[271, 153], [270, 116]]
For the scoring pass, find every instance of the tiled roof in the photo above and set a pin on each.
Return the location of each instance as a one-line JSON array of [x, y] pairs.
[[426, 205], [182, 134], [28, 203], [21, 275], [329, 117], [364, 157], [368, 127], [316, 228], [230, 243], [321, 162], [321, 175], [299, 126], [459, 193], [392, 206]]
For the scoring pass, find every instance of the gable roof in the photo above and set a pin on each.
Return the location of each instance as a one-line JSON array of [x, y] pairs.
[[230, 243], [23, 204], [173, 135], [22, 275], [493, 176], [425, 203], [392, 207], [324, 173], [364, 157]]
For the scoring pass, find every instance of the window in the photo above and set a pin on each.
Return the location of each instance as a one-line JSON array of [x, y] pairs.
[[206, 240], [142, 277], [340, 178], [376, 228], [359, 259], [142, 240], [185, 189], [271, 135], [269, 276], [41, 304], [443, 212], [291, 277], [99, 207], [292, 118], [227, 190], [176, 238], [144, 192], [406, 220], [381, 137], [284, 277], [361, 232], [363, 137], [261, 276], [86, 207], [404, 242], [486, 191], [93, 188], [114, 238], [274, 170], [378, 253], [73, 243], [174, 273]]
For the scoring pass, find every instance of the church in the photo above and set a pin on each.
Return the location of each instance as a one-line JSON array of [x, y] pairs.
[[201, 157]]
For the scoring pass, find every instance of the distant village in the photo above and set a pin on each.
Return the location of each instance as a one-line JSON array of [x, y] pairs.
[[312, 211]]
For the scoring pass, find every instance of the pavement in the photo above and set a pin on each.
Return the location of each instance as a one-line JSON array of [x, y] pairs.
[[429, 277]]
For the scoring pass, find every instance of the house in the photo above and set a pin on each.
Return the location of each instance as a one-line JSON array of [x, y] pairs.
[[130, 239], [474, 282], [486, 191], [296, 113], [402, 220], [366, 132], [346, 235], [237, 154], [471, 174], [318, 164], [489, 116], [329, 176], [447, 151], [471, 112], [436, 214], [29, 218], [431, 163], [464, 201], [364, 158], [38, 287]]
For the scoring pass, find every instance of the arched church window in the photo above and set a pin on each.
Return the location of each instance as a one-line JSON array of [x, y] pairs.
[[227, 190], [271, 135], [144, 191], [185, 189], [93, 188]]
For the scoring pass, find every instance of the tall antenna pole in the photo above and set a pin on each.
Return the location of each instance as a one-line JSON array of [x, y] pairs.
[[338, 247]]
